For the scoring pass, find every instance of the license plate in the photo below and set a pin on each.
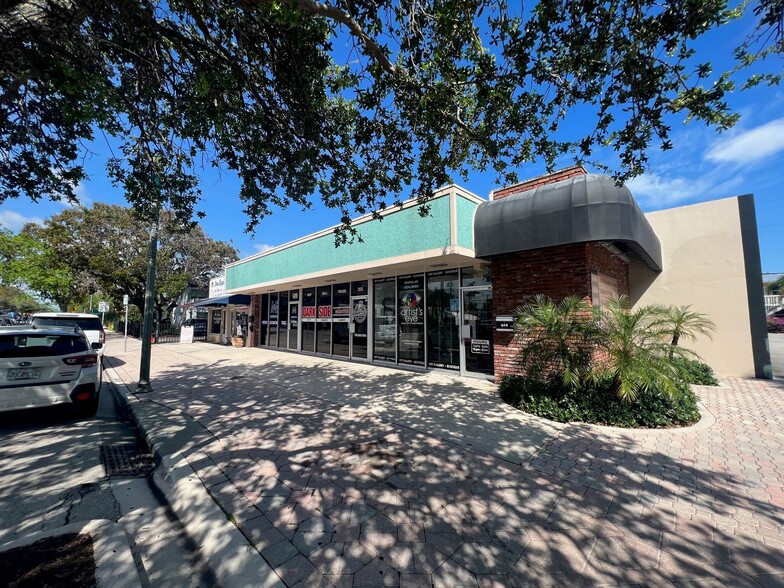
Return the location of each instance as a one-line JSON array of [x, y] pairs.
[[24, 374]]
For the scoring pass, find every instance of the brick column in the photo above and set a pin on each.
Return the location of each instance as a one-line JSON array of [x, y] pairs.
[[556, 272]]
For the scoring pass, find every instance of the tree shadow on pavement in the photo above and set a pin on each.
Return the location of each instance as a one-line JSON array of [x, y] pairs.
[[327, 473]]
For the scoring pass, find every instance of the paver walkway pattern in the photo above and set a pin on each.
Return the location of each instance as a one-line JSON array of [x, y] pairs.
[[336, 481]]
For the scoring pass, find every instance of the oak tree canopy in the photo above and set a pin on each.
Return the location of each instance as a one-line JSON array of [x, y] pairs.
[[361, 103]]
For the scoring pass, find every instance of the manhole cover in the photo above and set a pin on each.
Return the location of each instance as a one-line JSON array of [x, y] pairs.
[[126, 460]]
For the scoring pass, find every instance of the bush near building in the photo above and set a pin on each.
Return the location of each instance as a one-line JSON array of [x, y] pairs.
[[613, 366]]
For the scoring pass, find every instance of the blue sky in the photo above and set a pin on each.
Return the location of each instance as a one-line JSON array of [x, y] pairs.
[[703, 165]]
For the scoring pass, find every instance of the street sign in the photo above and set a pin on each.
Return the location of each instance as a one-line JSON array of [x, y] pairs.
[[103, 307], [125, 300]]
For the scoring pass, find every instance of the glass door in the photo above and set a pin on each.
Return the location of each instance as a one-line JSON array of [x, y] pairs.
[[359, 327], [476, 330]]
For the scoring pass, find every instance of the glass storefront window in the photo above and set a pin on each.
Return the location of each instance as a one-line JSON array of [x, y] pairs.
[[293, 318], [443, 300], [475, 277], [264, 323], [309, 319], [359, 288], [240, 322], [411, 316], [384, 319], [283, 314], [341, 311], [272, 339], [215, 322], [324, 320]]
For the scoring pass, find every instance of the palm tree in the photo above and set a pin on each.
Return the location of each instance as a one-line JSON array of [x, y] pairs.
[[557, 338], [636, 352], [687, 324]]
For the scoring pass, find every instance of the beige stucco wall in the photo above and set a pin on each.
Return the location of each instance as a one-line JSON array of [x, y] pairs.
[[704, 265]]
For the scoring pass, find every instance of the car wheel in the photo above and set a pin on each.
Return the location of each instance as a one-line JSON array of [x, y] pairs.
[[88, 408]]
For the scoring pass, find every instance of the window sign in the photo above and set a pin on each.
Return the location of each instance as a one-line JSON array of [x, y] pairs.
[[309, 319], [480, 346], [309, 305], [411, 317], [323, 320]]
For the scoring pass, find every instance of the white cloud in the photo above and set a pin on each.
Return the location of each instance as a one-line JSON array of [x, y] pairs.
[[81, 194], [15, 221], [750, 146], [653, 190], [262, 247]]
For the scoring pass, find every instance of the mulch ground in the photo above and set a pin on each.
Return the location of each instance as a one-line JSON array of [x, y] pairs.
[[63, 561]]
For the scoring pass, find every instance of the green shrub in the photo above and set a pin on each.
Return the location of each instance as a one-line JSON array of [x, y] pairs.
[[695, 372], [596, 402]]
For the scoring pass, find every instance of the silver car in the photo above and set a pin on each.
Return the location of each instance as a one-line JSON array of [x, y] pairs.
[[45, 366]]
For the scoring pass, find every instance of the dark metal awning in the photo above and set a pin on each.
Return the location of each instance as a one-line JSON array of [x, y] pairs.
[[239, 299], [583, 209]]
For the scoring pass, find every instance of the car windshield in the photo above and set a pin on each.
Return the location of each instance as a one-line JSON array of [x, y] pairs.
[[40, 345], [85, 324]]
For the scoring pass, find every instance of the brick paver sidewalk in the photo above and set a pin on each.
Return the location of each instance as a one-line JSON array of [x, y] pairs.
[[330, 495]]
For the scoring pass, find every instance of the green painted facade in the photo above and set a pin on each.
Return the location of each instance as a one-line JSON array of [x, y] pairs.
[[465, 222], [400, 233]]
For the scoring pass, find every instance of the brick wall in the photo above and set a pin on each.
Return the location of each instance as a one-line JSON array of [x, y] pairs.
[[556, 176], [556, 272]]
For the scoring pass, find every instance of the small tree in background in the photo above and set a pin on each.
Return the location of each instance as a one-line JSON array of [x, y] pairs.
[[682, 322]]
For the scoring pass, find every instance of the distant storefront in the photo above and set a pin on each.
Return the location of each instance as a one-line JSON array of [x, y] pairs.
[[440, 292]]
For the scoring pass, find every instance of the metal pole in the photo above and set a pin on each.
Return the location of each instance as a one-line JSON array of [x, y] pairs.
[[149, 304], [126, 329]]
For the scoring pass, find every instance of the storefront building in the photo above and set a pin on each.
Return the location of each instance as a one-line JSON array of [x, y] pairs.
[[440, 292]]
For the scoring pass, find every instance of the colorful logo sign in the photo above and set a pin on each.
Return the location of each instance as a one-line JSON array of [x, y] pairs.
[[411, 299]]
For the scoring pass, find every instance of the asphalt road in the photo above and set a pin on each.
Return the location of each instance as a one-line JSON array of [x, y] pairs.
[[52, 475]]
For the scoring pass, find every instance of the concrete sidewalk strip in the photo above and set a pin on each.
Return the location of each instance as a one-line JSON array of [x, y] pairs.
[[351, 475], [114, 565], [233, 560]]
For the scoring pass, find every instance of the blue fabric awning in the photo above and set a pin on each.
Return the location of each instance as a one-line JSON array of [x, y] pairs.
[[240, 299]]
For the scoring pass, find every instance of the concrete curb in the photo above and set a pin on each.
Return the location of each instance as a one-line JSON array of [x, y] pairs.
[[114, 565], [232, 559], [224, 548]]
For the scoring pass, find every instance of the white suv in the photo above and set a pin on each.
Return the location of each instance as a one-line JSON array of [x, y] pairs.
[[89, 323], [45, 366]]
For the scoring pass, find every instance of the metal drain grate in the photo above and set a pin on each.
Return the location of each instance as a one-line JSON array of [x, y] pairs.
[[126, 460]]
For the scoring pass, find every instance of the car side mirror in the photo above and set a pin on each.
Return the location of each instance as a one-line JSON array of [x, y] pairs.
[[96, 345]]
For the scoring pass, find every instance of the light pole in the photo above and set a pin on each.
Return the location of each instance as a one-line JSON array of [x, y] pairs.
[[149, 304]]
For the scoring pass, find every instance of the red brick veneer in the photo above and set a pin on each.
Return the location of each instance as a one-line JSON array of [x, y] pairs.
[[556, 272], [556, 176]]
